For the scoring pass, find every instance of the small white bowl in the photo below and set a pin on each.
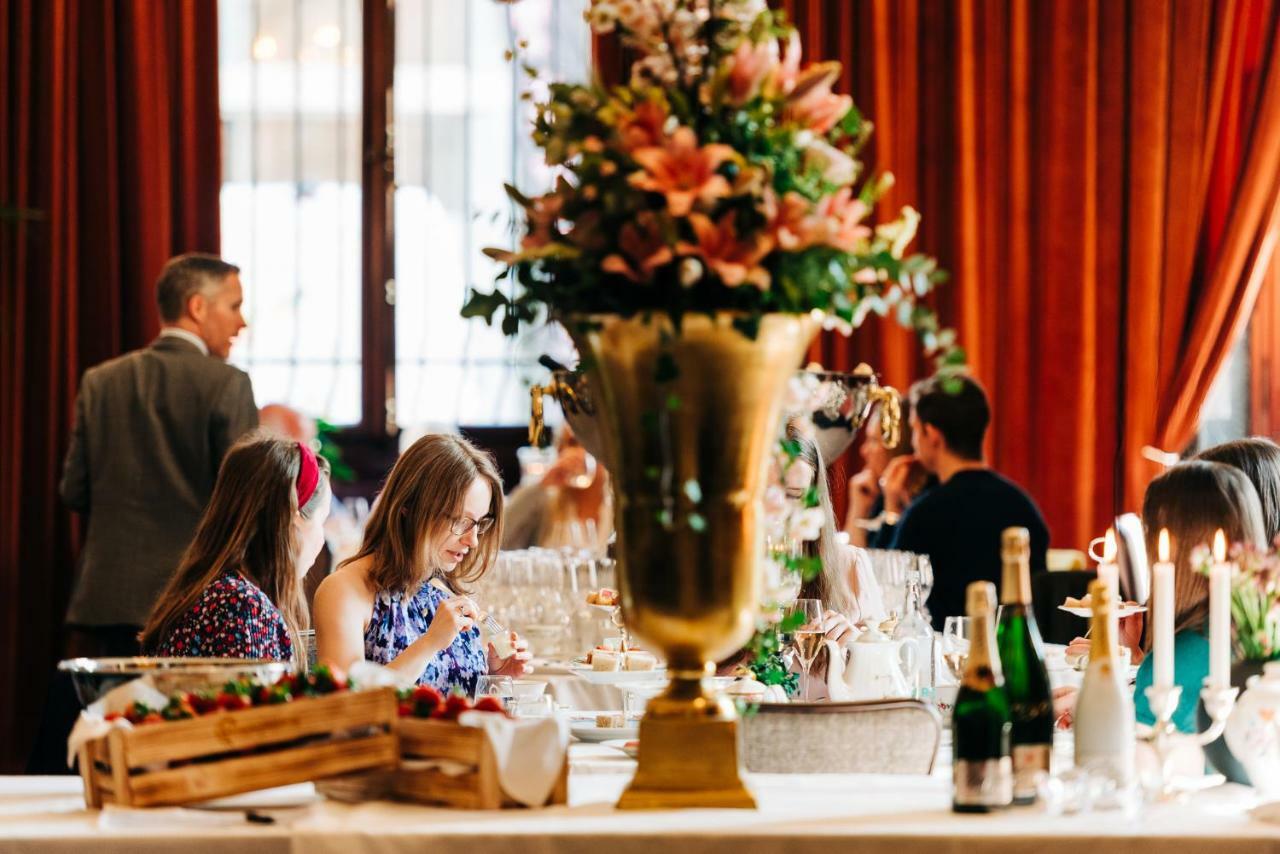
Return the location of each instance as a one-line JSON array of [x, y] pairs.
[[528, 689]]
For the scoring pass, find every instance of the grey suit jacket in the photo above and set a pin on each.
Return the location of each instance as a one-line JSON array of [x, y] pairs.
[[151, 429]]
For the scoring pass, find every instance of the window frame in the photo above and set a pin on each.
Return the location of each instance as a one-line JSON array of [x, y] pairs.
[[377, 222]]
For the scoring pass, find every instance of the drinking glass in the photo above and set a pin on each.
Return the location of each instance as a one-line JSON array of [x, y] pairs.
[[956, 634], [496, 686], [807, 639]]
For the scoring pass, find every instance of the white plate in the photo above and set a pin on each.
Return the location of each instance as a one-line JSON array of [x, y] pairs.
[[629, 746], [1086, 612], [617, 677], [281, 797], [583, 726]]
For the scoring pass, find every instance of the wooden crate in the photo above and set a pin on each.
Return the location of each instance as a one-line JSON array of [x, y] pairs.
[[225, 753], [477, 788]]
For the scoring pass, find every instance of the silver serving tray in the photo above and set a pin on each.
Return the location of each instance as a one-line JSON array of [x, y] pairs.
[[94, 677]]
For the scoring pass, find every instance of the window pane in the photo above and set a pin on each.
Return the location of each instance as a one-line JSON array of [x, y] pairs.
[[461, 132], [289, 77]]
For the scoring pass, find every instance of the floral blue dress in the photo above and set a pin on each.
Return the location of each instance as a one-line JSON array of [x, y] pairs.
[[399, 620], [231, 619]]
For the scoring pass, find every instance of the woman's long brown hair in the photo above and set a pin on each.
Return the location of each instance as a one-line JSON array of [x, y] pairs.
[[248, 526], [424, 493], [1193, 500], [830, 585]]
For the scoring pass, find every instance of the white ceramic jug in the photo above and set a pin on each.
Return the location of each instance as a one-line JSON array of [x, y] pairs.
[[878, 668]]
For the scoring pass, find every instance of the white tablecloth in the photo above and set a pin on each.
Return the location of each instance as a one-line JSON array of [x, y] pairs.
[[574, 692], [877, 814]]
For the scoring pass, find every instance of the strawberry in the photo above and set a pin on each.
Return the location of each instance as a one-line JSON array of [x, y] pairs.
[[272, 695], [426, 700], [490, 703], [204, 702], [179, 707], [454, 706], [112, 716], [152, 718], [406, 710], [233, 701]]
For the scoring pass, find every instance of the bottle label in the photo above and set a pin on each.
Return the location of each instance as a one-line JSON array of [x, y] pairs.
[[1030, 766], [983, 782]]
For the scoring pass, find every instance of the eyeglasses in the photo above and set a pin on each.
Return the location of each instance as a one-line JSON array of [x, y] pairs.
[[462, 527]]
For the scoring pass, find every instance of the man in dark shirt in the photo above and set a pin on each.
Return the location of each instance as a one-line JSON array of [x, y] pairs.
[[958, 523]]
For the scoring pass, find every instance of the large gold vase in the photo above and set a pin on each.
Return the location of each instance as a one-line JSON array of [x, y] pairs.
[[688, 458]]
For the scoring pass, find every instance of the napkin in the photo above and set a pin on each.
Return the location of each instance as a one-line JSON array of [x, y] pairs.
[[92, 722], [530, 753]]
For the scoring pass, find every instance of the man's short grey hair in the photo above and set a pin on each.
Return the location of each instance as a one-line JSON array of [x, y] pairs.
[[185, 276]]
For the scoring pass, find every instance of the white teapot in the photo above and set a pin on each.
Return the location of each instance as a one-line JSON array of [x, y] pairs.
[[879, 667], [1253, 730]]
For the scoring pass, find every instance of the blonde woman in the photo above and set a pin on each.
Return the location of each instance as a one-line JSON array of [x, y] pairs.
[[847, 586], [401, 600]]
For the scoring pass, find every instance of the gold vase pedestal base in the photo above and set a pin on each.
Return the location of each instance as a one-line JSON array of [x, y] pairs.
[[687, 763]]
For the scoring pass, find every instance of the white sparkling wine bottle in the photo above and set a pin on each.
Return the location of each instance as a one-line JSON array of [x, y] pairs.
[[1104, 732]]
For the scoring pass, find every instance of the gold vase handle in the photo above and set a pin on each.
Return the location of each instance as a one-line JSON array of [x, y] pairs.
[[537, 426], [890, 414]]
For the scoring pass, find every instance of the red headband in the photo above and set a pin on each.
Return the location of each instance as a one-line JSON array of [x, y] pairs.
[[308, 475]]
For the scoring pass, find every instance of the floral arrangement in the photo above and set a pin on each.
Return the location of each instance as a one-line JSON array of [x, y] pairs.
[[1255, 599], [722, 176]]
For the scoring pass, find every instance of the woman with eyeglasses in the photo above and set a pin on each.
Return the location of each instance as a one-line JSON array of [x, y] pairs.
[[402, 599]]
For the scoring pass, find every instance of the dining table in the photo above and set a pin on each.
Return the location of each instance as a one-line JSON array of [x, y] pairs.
[[869, 813]]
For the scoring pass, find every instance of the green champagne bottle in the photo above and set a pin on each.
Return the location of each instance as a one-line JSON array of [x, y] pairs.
[[1026, 680], [982, 772]]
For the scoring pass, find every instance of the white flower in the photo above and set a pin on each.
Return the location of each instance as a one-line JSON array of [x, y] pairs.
[[690, 272], [836, 166], [603, 16], [779, 588], [807, 523], [802, 388]]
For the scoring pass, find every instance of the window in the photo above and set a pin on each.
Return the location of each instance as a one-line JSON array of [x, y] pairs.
[[1225, 413], [290, 82], [291, 87]]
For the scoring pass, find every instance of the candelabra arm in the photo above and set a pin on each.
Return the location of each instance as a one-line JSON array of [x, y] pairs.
[[1218, 701]]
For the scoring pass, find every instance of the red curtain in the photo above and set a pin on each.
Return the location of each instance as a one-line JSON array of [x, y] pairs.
[[1100, 179], [109, 135]]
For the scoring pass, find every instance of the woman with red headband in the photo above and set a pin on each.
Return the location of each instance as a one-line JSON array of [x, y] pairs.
[[238, 591]]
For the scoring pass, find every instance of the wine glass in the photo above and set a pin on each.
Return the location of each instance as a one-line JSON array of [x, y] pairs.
[[807, 638], [956, 634], [496, 686]]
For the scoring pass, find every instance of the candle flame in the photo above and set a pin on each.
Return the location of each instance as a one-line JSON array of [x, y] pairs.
[[1219, 546], [1109, 547], [1163, 548]]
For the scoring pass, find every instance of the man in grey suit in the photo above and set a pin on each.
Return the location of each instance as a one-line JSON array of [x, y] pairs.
[[151, 429]]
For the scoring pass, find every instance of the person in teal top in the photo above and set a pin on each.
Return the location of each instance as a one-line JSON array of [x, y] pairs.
[[1192, 500], [1190, 667]]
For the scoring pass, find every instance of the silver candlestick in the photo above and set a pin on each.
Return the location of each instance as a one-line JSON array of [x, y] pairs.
[[1218, 701]]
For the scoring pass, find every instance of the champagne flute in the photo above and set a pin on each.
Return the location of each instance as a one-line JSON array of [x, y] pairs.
[[807, 638], [956, 632]]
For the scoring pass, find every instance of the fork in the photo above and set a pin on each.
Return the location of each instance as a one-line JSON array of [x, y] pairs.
[[490, 623]]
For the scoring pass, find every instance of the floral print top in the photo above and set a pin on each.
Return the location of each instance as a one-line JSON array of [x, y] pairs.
[[233, 618], [399, 620]]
